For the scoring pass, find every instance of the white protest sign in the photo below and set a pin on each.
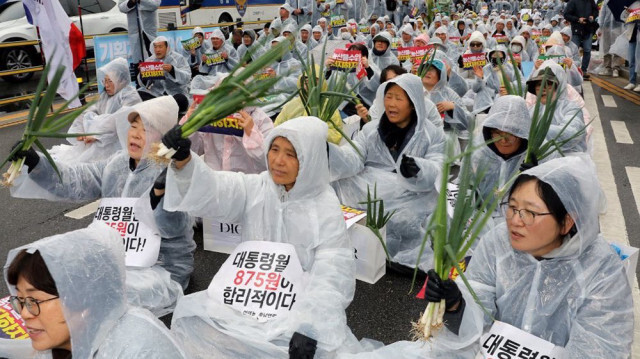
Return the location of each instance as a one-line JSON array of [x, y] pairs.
[[504, 340], [141, 241], [352, 215], [262, 280], [219, 236]]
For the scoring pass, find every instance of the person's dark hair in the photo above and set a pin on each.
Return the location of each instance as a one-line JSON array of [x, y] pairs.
[[33, 269], [267, 25], [360, 47], [548, 196], [397, 69]]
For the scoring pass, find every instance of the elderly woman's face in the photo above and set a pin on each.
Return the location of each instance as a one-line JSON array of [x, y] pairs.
[[109, 87], [48, 329], [283, 162], [136, 139]]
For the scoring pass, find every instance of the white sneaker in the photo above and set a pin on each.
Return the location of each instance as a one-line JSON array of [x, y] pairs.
[[616, 73], [637, 89], [604, 72], [629, 87]]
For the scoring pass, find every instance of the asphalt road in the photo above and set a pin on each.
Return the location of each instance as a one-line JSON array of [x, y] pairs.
[[383, 311]]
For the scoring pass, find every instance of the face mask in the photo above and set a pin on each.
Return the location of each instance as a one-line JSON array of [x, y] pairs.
[[516, 48], [345, 36], [378, 52]]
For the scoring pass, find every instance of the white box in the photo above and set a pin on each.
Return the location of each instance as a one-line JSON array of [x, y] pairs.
[[220, 237]]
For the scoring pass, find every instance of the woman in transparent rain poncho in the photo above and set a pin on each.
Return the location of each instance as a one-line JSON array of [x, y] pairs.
[[127, 174], [292, 203], [78, 278], [546, 271], [99, 118], [403, 154]]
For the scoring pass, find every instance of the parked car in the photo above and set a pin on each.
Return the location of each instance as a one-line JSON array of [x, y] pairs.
[[98, 17]]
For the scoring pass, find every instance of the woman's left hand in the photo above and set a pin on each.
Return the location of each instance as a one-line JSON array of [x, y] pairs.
[[445, 106], [246, 121]]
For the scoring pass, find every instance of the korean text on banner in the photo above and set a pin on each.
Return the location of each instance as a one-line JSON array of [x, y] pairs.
[[227, 126], [352, 215], [108, 48], [404, 53], [263, 280], [11, 324], [141, 241], [213, 59], [345, 60], [338, 21], [504, 340], [151, 71], [469, 61], [191, 44]]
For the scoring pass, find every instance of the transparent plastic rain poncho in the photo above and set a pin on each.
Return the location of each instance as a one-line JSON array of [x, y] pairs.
[[456, 120], [100, 118], [567, 113], [468, 75], [575, 51], [307, 216], [508, 114], [520, 40], [148, 19], [233, 153], [577, 297], [412, 198], [574, 77], [87, 266], [488, 88], [609, 29], [195, 59], [178, 83], [255, 47], [456, 82], [228, 65], [152, 288], [288, 69], [531, 47], [387, 58]]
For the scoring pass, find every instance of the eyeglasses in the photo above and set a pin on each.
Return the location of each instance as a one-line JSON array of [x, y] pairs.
[[527, 216], [475, 44], [503, 136], [33, 305]]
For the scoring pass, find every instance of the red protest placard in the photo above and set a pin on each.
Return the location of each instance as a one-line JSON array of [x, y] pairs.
[[470, 61], [345, 60], [151, 71]]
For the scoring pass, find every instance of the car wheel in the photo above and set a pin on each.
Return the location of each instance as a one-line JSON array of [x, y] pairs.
[[16, 59]]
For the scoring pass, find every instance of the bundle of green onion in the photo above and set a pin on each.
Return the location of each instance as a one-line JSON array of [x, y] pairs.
[[506, 82], [234, 93], [321, 97], [42, 124], [376, 216], [537, 147], [453, 237]]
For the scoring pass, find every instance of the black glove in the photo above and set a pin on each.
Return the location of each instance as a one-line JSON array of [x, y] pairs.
[[409, 167], [173, 139], [528, 166], [31, 158], [302, 347], [159, 184], [437, 289]]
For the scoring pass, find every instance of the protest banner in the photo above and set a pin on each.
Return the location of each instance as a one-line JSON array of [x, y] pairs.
[[338, 21], [108, 48], [535, 34], [263, 280], [364, 29], [345, 60], [12, 325], [634, 15], [151, 71], [418, 52], [141, 241], [352, 215], [395, 43], [213, 59], [469, 61], [191, 44], [227, 126], [504, 340], [404, 53], [501, 39]]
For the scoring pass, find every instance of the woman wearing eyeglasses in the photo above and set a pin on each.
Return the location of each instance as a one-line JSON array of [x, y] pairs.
[[70, 291], [508, 125], [546, 270]]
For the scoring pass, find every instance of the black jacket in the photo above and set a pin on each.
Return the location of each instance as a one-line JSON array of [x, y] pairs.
[[581, 8]]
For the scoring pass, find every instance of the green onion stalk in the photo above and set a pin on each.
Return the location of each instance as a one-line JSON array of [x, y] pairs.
[[537, 147], [234, 93], [43, 124], [376, 216], [452, 238], [321, 97]]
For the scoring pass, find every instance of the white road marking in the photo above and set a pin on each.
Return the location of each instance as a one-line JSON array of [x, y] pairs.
[[633, 173], [83, 211], [609, 101], [621, 133], [612, 225]]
